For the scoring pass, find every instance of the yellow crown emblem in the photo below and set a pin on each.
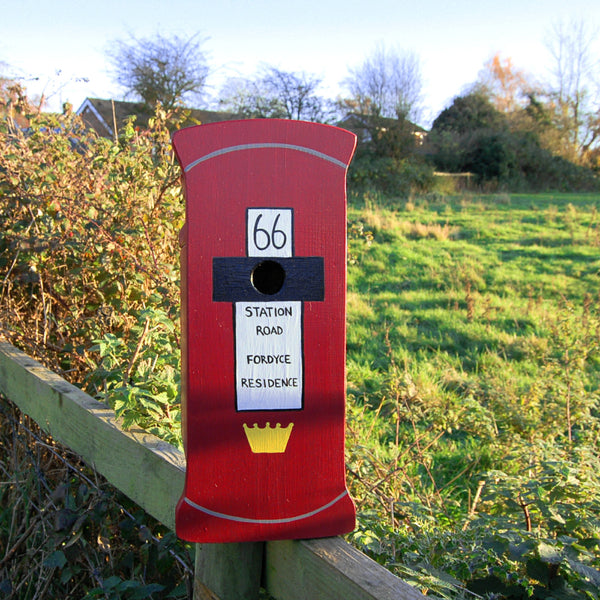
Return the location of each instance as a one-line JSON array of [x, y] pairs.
[[268, 439]]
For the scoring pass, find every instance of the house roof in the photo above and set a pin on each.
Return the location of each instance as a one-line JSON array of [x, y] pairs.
[[359, 121], [363, 125], [105, 115]]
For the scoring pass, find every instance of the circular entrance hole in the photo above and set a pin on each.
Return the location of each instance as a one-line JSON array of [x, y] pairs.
[[268, 277]]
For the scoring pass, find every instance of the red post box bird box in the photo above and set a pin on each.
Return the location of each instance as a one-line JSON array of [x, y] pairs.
[[263, 256]]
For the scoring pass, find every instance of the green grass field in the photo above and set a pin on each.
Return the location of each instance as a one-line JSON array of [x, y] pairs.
[[473, 382]]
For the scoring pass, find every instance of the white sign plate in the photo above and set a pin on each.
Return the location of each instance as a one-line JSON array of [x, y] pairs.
[[269, 232], [268, 355]]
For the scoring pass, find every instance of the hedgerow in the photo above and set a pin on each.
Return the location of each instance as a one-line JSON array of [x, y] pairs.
[[89, 270]]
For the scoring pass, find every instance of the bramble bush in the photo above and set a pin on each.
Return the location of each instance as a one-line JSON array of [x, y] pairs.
[[89, 271], [66, 533]]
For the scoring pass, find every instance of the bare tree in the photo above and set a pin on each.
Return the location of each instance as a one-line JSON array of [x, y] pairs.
[[296, 92], [160, 69], [248, 98], [387, 84], [576, 83], [274, 93]]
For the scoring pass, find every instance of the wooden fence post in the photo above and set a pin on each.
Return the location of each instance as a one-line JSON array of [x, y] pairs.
[[228, 571]]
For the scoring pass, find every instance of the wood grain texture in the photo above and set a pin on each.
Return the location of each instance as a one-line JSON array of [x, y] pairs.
[[294, 571], [228, 571]]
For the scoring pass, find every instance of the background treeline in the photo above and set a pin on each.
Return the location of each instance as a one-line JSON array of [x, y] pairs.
[[508, 130], [500, 151]]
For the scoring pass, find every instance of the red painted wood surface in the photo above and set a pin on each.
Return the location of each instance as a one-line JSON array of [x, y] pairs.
[[232, 493]]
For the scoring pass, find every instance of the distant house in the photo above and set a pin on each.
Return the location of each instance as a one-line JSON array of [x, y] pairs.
[[106, 116], [367, 126]]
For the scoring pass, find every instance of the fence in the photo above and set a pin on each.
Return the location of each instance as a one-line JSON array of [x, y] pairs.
[[459, 180], [316, 569]]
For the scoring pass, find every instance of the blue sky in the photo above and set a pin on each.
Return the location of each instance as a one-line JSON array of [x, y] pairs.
[[452, 38]]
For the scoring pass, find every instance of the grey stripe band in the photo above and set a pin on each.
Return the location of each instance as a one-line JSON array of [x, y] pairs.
[[214, 513], [216, 153]]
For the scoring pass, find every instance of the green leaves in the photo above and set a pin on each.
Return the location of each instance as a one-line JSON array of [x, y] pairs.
[[89, 285], [140, 378], [114, 588], [56, 560]]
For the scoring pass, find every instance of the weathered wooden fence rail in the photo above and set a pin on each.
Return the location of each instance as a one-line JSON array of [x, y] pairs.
[[289, 570]]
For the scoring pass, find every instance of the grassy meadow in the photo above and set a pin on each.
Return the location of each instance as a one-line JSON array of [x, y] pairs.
[[473, 387]]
